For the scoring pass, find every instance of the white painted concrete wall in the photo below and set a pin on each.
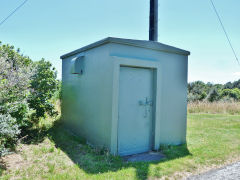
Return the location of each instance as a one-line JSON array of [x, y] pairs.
[[173, 92], [88, 99]]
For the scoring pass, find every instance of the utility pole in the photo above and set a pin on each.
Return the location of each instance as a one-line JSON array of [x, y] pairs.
[[153, 21]]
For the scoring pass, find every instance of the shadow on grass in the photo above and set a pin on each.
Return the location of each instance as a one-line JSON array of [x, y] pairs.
[[95, 161], [35, 136]]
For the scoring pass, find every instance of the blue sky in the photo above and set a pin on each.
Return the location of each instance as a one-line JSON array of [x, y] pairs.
[[51, 28]]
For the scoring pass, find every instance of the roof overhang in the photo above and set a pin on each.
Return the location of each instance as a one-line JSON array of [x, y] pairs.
[[130, 42]]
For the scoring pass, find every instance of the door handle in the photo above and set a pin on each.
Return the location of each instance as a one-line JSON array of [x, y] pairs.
[[147, 106], [147, 102]]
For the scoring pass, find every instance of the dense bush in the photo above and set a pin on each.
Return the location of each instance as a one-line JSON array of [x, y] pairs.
[[9, 131], [15, 74], [199, 91], [231, 93], [26, 89]]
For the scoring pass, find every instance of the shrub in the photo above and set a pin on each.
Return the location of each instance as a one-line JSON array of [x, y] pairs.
[[15, 73], [232, 93], [26, 90], [9, 130], [43, 87]]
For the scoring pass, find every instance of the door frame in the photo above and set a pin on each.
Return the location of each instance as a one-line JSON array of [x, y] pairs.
[[137, 63]]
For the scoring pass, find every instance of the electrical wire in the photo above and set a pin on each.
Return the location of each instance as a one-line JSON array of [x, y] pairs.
[[225, 32], [15, 10]]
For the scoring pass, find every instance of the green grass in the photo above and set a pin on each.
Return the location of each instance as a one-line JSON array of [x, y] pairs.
[[212, 141]]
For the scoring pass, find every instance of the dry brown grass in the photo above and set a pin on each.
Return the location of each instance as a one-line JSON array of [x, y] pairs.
[[214, 107]]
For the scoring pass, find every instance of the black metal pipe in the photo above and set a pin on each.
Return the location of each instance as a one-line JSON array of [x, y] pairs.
[[153, 21]]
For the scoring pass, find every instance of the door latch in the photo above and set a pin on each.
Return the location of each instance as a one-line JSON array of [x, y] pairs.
[[147, 102]]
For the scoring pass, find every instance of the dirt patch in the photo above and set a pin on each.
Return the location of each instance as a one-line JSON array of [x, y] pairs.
[[13, 161], [2, 164]]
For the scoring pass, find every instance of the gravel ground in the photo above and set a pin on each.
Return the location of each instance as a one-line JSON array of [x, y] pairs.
[[230, 172]]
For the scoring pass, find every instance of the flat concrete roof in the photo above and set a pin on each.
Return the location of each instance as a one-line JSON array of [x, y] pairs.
[[130, 42]]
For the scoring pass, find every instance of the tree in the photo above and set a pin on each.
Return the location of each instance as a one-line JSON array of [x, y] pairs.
[[228, 85], [213, 95], [197, 91]]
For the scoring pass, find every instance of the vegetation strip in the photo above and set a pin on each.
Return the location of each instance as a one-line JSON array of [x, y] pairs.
[[213, 140]]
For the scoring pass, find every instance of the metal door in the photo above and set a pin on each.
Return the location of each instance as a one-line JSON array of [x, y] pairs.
[[135, 110]]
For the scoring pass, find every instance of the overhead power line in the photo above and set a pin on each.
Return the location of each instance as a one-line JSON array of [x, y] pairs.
[[15, 10], [225, 32]]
